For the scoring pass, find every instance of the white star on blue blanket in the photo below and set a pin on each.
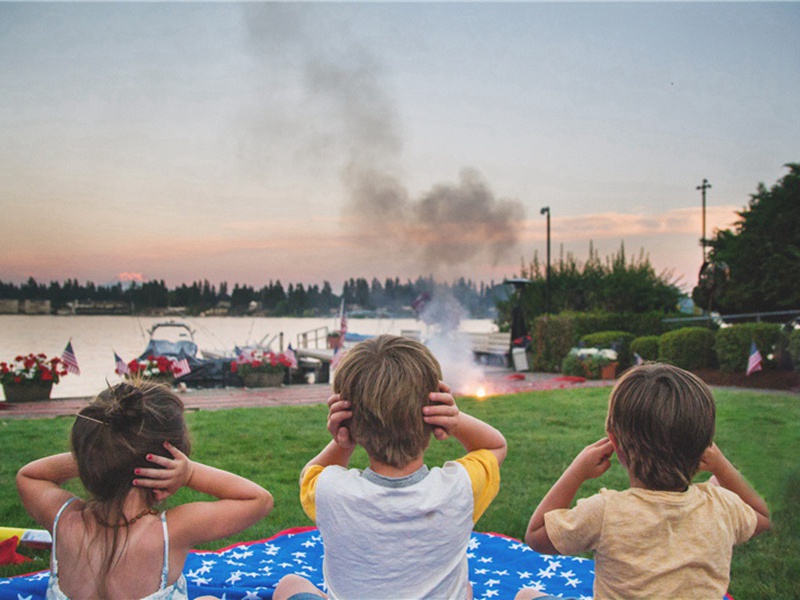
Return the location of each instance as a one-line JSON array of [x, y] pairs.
[[499, 568]]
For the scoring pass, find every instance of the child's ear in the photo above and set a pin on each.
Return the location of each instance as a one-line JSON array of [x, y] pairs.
[[621, 457]]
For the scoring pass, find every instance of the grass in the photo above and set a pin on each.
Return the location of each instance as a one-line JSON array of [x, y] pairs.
[[758, 431]]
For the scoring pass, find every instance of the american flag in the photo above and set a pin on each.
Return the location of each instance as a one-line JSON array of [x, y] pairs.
[[243, 355], [338, 354], [181, 367], [121, 367], [754, 362], [343, 322], [290, 356], [68, 356]]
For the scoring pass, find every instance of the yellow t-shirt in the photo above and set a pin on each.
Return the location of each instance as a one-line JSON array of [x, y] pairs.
[[650, 544]]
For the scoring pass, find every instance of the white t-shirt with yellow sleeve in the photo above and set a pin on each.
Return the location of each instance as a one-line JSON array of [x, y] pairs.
[[401, 537]]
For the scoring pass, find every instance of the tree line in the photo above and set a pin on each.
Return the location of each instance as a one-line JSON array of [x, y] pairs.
[[297, 299]]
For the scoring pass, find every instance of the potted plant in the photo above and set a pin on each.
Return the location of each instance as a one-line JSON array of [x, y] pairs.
[[335, 340], [262, 369], [31, 377], [592, 363], [155, 368]]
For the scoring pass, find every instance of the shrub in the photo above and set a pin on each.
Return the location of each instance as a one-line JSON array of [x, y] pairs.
[[555, 334], [649, 323], [733, 345], [688, 348], [646, 347], [794, 348], [553, 338], [616, 340]]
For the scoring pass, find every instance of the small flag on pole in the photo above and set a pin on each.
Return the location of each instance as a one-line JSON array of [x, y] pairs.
[[754, 362], [121, 367], [291, 357], [343, 321], [639, 359], [68, 356], [337, 357], [181, 367]]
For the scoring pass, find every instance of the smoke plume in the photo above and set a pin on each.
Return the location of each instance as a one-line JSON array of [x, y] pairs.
[[344, 114]]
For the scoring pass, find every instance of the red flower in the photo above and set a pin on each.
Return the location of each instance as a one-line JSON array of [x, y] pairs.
[[234, 366], [47, 375]]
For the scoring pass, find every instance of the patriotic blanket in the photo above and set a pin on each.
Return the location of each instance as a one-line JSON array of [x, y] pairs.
[[499, 567]]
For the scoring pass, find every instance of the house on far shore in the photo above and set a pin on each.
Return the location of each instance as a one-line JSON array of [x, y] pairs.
[[36, 307], [9, 307], [27, 307]]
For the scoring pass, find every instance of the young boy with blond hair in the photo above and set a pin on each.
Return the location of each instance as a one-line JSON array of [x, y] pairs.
[[396, 529], [663, 537]]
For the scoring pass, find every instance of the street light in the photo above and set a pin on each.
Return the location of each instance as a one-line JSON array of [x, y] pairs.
[[546, 211]]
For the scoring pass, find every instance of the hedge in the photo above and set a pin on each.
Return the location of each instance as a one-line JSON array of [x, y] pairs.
[[646, 347], [553, 338], [555, 335], [733, 345], [689, 348], [794, 348]]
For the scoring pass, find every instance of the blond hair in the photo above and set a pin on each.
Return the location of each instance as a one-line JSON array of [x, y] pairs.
[[387, 381], [663, 420]]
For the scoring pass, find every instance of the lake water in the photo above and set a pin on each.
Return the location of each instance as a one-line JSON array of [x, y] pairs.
[[96, 338]]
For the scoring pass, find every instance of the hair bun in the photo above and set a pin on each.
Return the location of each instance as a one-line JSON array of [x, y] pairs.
[[127, 406]]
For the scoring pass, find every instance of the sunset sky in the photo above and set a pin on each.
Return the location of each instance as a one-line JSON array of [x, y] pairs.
[[310, 142]]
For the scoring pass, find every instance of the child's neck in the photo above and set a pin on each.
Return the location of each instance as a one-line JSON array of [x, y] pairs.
[[390, 471], [135, 502], [635, 483]]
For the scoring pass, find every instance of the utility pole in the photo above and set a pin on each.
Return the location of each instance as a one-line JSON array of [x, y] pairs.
[[546, 211], [703, 241]]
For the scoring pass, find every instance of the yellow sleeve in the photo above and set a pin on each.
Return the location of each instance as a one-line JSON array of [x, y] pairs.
[[308, 490], [484, 473]]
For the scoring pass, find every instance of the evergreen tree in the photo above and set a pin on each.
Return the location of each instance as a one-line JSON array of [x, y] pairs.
[[763, 250]]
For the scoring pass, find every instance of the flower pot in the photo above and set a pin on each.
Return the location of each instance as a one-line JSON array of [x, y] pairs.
[[609, 371], [335, 341], [29, 391], [260, 380]]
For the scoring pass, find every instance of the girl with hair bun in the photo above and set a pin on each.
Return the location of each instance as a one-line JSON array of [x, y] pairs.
[[130, 449]]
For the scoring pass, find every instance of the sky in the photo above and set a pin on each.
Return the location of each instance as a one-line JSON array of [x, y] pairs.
[[311, 142]]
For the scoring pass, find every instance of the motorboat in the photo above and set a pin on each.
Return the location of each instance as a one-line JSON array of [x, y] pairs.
[[175, 340]]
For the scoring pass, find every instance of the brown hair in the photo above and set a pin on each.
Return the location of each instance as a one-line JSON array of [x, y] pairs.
[[387, 381], [663, 420], [110, 438]]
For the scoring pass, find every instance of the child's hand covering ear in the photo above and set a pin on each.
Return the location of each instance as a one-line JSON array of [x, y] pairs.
[[338, 412], [442, 413]]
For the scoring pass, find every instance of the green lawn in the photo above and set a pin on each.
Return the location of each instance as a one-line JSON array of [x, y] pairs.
[[760, 433]]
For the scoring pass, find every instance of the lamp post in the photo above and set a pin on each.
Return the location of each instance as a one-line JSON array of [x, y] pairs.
[[703, 241], [546, 211]]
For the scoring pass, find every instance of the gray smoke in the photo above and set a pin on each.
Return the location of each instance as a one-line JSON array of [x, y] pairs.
[[329, 98], [344, 112]]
